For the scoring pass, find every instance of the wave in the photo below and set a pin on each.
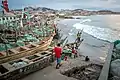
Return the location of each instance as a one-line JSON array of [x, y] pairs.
[[85, 20], [70, 34], [79, 17], [100, 33]]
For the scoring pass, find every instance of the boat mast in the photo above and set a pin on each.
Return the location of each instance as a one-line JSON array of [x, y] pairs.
[[5, 9], [2, 12], [21, 19]]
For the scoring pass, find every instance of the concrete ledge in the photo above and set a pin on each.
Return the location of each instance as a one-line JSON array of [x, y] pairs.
[[105, 70]]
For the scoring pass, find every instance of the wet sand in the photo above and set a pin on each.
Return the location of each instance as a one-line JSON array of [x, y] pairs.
[[94, 48]]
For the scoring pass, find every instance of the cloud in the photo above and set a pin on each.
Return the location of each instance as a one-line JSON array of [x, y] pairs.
[[58, 4]]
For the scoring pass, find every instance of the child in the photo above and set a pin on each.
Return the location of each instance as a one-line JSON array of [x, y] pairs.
[[74, 52], [65, 58]]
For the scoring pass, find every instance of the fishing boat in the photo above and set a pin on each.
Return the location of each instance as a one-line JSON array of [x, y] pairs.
[[16, 69], [21, 67], [22, 36]]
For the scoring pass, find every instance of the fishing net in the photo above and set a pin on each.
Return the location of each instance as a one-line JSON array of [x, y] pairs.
[[3, 47], [13, 45], [30, 38], [20, 43], [19, 64], [38, 32]]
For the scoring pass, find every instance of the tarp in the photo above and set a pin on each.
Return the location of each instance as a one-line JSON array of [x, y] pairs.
[[2, 47], [67, 51], [38, 32], [116, 42]]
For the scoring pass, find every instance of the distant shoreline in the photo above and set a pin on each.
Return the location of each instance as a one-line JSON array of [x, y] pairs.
[[68, 11]]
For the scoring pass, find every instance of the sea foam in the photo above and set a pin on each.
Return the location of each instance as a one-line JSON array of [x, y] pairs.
[[100, 33]]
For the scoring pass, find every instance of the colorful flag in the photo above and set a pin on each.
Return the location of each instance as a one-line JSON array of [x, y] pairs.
[[5, 5], [26, 14]]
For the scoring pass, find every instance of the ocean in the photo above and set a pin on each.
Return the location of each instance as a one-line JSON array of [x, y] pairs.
[[104, 27]]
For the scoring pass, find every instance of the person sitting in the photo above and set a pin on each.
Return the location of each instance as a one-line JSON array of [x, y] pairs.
[[87, 58]]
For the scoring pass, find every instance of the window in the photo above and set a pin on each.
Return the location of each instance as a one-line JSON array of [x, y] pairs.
[[3, 18], [10, 17], [14, 17], [6, 18]]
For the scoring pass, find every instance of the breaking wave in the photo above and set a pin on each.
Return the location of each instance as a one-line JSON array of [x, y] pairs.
[[100, 33], [85, 20]]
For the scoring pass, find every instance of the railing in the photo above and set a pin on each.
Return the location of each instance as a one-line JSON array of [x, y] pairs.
[[105, 71]]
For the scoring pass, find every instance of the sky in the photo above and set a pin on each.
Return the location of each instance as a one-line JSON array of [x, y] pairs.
[[68, 4]]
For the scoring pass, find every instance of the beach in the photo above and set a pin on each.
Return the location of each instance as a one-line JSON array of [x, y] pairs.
[[93, 47]]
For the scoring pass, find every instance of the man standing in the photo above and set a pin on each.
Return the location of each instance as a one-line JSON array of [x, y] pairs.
[[78, 36], [58, 52]]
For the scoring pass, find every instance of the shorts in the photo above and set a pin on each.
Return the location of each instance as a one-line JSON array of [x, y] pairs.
[[58, 60]]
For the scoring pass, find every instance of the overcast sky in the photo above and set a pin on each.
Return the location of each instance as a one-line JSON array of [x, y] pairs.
[[70, 4]]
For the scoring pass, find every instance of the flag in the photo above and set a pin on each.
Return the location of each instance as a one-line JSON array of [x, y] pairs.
[[27, 15], [5, 5], [21, 22]]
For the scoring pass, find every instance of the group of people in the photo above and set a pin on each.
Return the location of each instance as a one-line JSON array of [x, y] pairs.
[[58, 51]]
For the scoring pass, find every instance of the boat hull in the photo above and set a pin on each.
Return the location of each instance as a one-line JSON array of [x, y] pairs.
[[42, 46], [17, 73]]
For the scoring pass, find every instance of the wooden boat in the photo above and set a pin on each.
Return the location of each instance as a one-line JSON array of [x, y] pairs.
[[14, 70], [12, 31], [26, 50], [36, 60]]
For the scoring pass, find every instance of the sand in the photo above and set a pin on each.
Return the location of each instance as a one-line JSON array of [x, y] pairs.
[[94, 48]]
